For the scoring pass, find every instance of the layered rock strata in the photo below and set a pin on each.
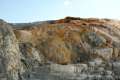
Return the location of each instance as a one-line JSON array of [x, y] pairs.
[[65, 49]]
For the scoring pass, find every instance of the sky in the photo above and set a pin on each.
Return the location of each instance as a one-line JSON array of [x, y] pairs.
[[17, 11]]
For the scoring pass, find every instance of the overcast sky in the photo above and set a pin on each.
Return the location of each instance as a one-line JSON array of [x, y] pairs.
[[39, 10]]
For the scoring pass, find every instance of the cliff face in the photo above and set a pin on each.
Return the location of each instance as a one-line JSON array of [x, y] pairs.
[[66, 46], [10, 64], [73, 40]]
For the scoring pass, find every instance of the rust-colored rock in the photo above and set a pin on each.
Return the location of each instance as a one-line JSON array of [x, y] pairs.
[[90, 41], [72, 40]]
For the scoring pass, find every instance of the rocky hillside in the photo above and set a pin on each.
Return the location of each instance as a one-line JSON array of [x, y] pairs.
[[65, 49]]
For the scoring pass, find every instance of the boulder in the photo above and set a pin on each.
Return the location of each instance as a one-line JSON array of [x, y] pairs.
[[105, 53]]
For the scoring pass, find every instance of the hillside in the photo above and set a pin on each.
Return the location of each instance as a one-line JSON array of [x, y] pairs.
[[65, 49]]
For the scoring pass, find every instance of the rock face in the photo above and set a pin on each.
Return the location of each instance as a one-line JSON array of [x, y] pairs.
[[65, 49], [11, 65]]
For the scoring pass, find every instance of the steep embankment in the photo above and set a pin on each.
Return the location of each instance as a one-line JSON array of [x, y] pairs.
[[70, 46], [73, 40]]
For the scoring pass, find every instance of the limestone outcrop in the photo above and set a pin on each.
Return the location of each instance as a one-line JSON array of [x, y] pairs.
[[65, 49], [10, 55]]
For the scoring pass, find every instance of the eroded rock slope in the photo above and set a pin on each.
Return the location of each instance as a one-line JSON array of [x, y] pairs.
[[65, 49]]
